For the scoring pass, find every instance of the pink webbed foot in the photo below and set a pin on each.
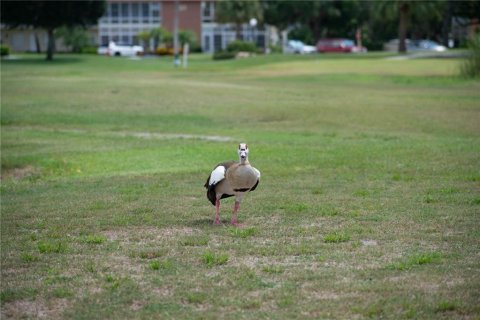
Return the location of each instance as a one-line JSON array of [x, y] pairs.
[[236, 224]]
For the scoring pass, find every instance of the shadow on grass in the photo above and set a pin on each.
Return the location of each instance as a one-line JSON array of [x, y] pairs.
[[207, 222], [40, 60]]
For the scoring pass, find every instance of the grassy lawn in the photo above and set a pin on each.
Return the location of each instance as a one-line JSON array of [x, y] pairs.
[[369, 204]]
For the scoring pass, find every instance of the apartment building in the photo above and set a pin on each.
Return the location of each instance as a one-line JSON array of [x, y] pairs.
[[124, 19]]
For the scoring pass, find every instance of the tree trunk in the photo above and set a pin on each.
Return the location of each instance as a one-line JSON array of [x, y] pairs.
[[315, 27], [402, 27], [447, 23], [51, 45], [238, 30], [37, 43]]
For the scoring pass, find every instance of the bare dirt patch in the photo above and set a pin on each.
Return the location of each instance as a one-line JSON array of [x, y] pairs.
[[136, 234], [20, 173], [37, 309]]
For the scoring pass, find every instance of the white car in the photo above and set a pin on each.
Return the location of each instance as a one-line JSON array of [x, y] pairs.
[[123, 50], [103, 50], [415, 45], [297, 46], [428, 45]]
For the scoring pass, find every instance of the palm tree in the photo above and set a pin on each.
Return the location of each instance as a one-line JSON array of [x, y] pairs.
[[238, 12], [404, 10]]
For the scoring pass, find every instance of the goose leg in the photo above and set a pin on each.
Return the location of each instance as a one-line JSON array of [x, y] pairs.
[[234, 220], [217, 212]]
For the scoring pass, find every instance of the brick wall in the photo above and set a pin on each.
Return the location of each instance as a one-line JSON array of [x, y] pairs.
[[189, 16]]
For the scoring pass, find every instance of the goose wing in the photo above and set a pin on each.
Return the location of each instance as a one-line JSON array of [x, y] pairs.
[[215, 177], [258, 178]]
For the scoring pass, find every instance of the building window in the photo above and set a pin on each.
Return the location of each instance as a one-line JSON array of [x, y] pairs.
[[114, 12], [104, 40], [155, 12], [135, 12], [206, 43], [207, 11], [125, 12], [217, 42], [123, 20], [145, 12]]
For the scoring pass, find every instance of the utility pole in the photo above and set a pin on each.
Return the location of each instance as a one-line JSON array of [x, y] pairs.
[[176, 60]]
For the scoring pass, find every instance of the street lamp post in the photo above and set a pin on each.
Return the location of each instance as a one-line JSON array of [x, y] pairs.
[[253, 23]]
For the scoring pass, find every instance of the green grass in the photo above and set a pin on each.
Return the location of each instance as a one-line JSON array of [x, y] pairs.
[[335, 237], [416, 260], [211, 258], [368, 205]]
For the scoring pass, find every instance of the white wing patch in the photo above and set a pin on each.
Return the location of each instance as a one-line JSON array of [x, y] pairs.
[[256, 172], [217, 175]]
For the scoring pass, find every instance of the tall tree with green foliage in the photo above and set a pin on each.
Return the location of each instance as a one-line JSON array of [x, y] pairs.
[[322, 18], [50, 15], [396, 9], [414, 17], [238, 12], [76, 38]]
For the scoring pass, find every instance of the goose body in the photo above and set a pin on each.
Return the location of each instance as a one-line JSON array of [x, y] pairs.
[[232, 179]]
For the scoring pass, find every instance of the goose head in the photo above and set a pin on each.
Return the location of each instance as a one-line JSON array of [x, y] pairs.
[[243, 152]]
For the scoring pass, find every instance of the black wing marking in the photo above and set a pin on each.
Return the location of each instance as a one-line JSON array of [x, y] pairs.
[[211, 194], [255, 186]]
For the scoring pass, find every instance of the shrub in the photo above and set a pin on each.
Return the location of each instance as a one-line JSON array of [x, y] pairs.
[[243, 46], [275, 48], [223, 55], [89, 50], [4, 50], [470, 68], [163, 51]]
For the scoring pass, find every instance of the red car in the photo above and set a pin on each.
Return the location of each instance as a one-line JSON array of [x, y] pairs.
[[338, 45]]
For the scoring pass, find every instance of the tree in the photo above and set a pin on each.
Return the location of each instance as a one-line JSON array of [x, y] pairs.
[[76, 38], [321, 18], [187, 36], [144, 37], [50, 15], [160, 35], [391, 9], [424, 14], [238, 12]]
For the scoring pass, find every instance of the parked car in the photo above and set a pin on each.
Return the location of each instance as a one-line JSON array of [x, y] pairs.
[[415, 45], [338, 45], [115, 49], [102, 50], [297, 46], [428, 45]]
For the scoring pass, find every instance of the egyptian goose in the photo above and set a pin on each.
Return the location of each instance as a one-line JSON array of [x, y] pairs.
[[230, 179]]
